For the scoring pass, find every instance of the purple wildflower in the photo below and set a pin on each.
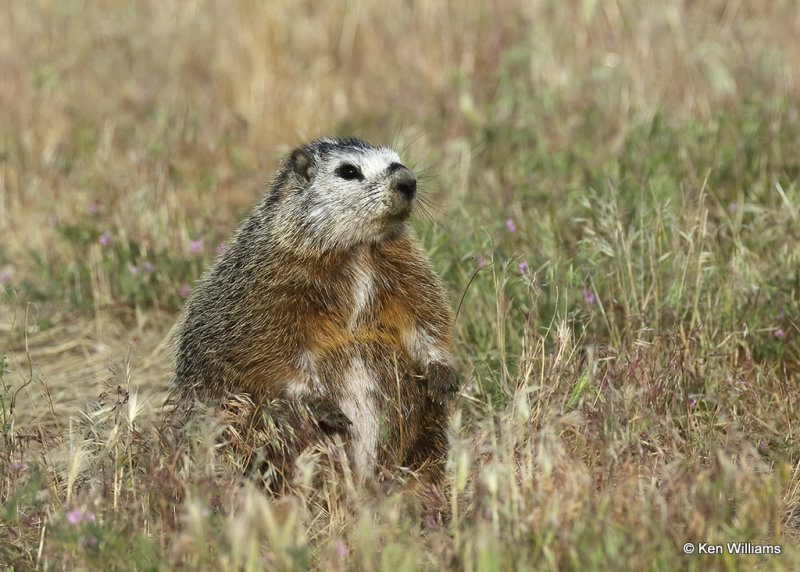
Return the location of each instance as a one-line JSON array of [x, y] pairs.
[[692, 402], [195, 245], [93, 207], [762, 445], [588, 295], [779, 333], [133, 268], [105, 238], [510, 225], [523, 266], [341, 548], [77, 516], [221, 247], [148, 266], [468, 388], [16, 465], [5, 277], [480, 261], [781, 314], [185, 290]]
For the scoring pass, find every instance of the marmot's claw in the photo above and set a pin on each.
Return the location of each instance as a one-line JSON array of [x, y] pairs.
[[330, 418], [442, 382]]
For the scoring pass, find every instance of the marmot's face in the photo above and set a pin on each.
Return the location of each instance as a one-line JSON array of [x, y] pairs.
[[350, 193]]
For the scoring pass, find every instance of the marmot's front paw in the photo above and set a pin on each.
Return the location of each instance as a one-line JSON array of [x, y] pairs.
[[442, 382], [330, 418]]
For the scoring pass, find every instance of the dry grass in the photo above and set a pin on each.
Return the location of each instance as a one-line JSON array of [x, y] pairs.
[[634, 388]]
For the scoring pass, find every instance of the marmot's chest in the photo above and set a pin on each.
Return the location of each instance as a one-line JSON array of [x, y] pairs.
[[362, 310], [363, 298], [354, 346]]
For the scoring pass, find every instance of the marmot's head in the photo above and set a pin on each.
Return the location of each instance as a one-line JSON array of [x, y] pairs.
[[335, 194]]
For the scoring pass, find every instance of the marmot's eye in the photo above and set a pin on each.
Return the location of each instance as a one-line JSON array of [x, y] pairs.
[[349, 172]]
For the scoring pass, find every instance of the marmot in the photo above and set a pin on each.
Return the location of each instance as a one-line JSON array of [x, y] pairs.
[[324, 297]]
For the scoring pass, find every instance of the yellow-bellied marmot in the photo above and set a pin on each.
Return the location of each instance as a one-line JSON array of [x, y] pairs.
[[324, 297]]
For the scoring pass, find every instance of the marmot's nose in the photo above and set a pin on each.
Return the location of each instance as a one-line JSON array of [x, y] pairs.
[[405, 182]]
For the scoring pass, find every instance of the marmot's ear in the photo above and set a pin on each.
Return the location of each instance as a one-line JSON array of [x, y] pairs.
[[302, 163]]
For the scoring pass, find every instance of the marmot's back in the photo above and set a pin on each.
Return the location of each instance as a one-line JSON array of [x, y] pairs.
[[324, 297]]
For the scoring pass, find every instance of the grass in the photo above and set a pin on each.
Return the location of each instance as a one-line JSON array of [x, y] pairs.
[[615, 196]]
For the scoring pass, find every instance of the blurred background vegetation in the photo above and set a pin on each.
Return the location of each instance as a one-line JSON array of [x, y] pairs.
[[160, 122]]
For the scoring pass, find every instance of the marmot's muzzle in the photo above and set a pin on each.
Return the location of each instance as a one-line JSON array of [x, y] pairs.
[[404, 182]]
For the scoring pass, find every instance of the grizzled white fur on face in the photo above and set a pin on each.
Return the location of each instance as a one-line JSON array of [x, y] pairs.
[[342, 193]]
